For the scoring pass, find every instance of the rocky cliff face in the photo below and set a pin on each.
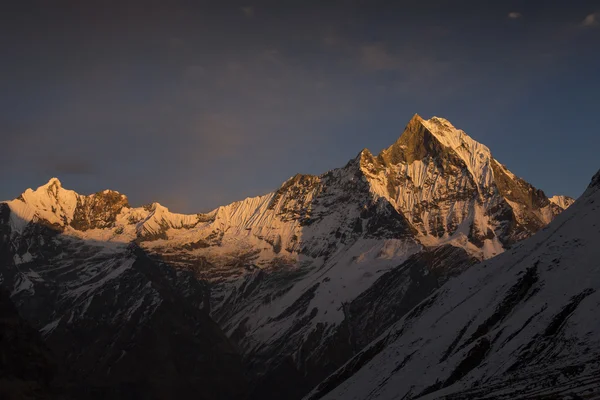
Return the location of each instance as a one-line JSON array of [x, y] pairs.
[[291, 277]]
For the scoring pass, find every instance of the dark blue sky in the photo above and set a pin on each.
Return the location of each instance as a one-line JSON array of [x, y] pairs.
[[196, 104]]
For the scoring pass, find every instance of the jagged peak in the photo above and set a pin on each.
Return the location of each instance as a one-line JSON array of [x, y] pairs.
[[108, 191], [441, 129], [562, 201], [415, 143], [55, 184], [52, 186], [416, 118], [62, 207], [414, 127], [437, 138], [476, 156], [155, 207], [366, 152], [367, 161], [52, 182]]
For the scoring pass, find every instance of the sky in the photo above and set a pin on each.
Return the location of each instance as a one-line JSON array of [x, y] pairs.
[[195, 104]]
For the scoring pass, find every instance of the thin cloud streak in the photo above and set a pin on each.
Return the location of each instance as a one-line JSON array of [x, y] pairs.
[[591, 20], [377, 58], [248, 11]]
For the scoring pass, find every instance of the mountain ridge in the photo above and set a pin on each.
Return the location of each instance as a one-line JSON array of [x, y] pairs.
[[286, 275], [416, 119], [434, 133]]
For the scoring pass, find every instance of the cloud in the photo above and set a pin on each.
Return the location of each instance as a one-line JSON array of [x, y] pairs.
[[377, 57], [219, 134], [176, 42], [331, 40], [410, 66], [330, 37], [193, 72], [515, 15], [591, 20], [74, 166], [248, 11]]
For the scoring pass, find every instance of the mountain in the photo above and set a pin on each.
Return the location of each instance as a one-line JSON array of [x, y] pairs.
[[299, 280], [521, 325], [562, 201]]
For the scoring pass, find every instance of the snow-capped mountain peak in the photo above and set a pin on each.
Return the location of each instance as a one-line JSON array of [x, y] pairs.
[[287, 270], [562, 201], [49, 202], [452, 190], [54, 182], [438, 138]]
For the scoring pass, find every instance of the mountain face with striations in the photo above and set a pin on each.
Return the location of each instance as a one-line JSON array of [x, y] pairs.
[[296, 281], [523, 325]]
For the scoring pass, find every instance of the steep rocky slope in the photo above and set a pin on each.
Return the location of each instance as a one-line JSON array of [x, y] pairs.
[[521, 325], [290, 276]]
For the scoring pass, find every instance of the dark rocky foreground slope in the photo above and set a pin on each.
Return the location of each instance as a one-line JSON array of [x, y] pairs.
[[521, 325], [27, 367]]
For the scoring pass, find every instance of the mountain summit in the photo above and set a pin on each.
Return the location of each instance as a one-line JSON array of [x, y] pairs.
[[448, 185], [291, 277]]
